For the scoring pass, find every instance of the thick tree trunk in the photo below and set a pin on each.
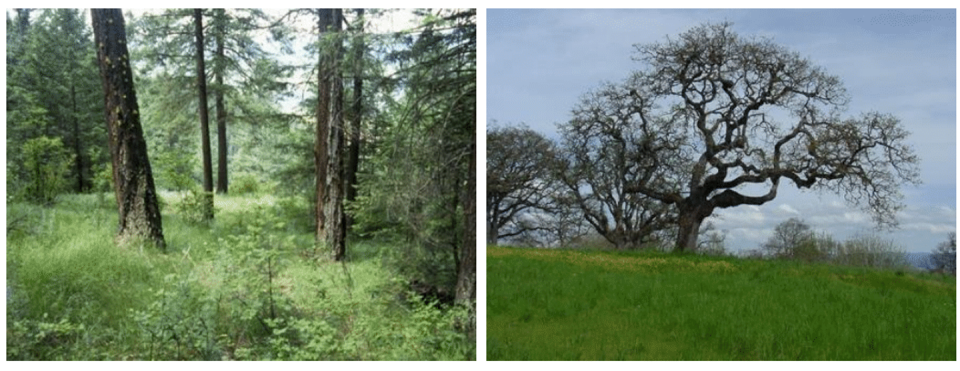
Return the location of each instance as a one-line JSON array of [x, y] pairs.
[[354, 149], [221, 110], [329, 147], [691, 215], [204, 118], [139, 215]]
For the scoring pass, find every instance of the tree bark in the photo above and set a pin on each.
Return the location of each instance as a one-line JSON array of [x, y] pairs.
[[139, 214], [218, 97], [329, 146], [466, 291], [691, 212], [204, 118]]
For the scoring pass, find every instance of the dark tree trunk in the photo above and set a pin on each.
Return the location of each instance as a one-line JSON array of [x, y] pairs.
[[139, 215], [691, 214], [204, 118], [329, 147], [492, 232], [354, 149], [221, 110], [77, 149]]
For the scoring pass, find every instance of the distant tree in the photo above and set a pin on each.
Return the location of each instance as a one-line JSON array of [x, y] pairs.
[[945, 256], [139, 214], [715, 112], [519, 181], [787, 237]]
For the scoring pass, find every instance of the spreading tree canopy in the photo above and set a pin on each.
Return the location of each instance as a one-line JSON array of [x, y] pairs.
[[715, 116]]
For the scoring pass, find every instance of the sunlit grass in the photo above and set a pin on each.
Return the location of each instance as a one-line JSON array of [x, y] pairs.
[[588, 305]]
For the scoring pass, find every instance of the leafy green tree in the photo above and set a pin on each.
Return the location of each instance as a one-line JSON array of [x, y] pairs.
[[52, 88], [245, 82], [420, 165], [46, 162]]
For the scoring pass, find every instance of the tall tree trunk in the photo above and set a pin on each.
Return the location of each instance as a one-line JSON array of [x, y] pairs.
[[218, 68], [354, 149], [139, 215], [204, 118], [329, 147], [77, 149], [467, 274]]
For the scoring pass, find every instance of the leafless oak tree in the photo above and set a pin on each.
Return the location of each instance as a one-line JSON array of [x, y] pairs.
[[717, 116]]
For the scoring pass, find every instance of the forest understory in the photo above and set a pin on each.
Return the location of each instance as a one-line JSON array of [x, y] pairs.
[[248, 286]]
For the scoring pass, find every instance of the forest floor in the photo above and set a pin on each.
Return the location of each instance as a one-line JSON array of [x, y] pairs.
[[251, 285], [599, 305]]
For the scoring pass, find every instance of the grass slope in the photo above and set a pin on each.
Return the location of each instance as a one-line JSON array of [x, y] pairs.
[[592, 305], [244, 287]]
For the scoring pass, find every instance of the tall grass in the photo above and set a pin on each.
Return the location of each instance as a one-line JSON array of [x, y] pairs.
[[245, 286], [576, 305]]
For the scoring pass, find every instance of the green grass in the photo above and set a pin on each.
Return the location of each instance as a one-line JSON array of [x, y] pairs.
[[593, 305], [247, 286]]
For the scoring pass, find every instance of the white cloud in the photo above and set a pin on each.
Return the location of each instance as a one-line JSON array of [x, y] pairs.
[[787, 209]]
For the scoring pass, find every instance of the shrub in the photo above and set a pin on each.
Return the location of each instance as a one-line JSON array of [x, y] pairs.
[[245, 183], [44, 339], [196, 207], [180, 323], [869, 251]]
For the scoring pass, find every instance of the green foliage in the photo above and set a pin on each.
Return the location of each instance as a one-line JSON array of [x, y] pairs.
[[33, 340], [46, 163], [54, 91], [245, 183], [576, 305], [179, 323], [175, 170], [196, 207]]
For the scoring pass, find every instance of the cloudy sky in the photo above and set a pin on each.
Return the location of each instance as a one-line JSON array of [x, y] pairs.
[[539, 62]]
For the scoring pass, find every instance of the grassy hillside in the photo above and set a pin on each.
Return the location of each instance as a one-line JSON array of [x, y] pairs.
[[246, 287], [593, 305]]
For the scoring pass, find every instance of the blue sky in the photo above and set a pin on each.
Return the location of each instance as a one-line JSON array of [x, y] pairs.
[[539, 62]]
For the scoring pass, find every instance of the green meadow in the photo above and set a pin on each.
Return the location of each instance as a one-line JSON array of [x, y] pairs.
[[599, 305]]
